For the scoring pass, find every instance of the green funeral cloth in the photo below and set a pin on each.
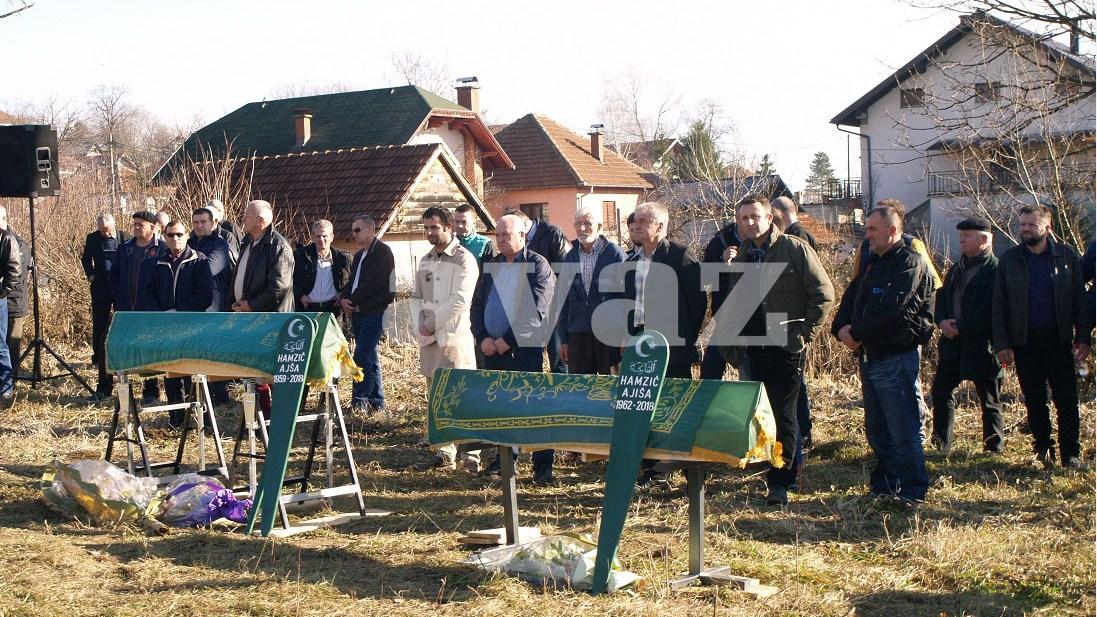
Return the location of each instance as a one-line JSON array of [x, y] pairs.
[[220, 344], [703, 420]]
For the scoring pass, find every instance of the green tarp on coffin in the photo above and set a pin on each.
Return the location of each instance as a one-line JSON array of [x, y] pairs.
[[706, 420], [220, 344]]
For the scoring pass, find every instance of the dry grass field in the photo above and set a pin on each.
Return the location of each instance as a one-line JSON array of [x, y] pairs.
[[997, 536]]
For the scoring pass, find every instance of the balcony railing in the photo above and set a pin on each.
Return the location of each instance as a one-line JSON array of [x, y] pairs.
[[1075, 175], [836, 189]]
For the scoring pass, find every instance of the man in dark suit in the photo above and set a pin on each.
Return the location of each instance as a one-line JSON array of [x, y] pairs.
[[365, 299], [222, 263], [100, 252], [263, 281], [320, 271], [549, 241], [659, 265]]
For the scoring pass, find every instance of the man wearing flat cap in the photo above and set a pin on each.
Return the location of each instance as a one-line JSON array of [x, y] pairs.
[[963, 313], [135, 258]]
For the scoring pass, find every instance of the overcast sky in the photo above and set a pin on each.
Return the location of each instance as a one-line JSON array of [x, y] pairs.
[[779, 69]]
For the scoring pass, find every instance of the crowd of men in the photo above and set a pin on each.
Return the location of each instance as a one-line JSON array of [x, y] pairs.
[[506, 305]]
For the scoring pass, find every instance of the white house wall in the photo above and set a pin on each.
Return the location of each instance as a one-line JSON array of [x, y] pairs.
[[453, 140], [899, 164]]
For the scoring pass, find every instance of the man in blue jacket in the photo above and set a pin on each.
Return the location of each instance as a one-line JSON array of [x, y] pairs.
[[592, 252], [179, 280], [506, 328], [133, 257]]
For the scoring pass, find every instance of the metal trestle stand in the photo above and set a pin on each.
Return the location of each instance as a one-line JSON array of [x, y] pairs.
[[253, 434], [129, 415]]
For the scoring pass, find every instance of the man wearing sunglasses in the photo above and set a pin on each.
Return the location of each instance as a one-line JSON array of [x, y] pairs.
[[372, 288], [180, 280]]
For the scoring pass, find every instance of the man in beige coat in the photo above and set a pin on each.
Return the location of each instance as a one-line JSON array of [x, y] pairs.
[[444, 285]]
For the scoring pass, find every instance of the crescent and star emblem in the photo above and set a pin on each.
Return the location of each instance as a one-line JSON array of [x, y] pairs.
[[639, 346], [297, 327]]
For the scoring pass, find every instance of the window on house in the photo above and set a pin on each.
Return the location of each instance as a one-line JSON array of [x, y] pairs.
[[912, 97], [1070, 90], [536, 212], [987, 91], [609, 216]]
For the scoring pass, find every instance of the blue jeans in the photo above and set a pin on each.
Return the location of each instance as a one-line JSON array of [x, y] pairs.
[[7, 376], [367, 335], [893, 424]]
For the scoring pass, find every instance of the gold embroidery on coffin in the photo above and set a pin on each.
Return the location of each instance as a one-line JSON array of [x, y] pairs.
[[558, 420], [675, 397], [515, 386]]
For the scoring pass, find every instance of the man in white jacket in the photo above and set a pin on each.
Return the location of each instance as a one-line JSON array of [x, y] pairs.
[[444, 286]]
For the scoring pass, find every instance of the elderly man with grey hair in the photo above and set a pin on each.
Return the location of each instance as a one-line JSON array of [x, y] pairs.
[[593, 252], [98, 259], [660, 265], [320, 271], [365, 299], [263, 281]]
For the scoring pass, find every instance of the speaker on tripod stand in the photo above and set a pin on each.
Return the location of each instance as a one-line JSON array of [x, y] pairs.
[[28, 168]]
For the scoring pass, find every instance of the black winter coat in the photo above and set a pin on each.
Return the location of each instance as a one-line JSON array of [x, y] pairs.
[[971, 352], [692, 302], [304, 271], [889, 305], [268, 279], [189, 287], [97, 264]]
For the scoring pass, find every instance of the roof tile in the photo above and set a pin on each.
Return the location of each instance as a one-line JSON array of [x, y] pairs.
[[547, 154]]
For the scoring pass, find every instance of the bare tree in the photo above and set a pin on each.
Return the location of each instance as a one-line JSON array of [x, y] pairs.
[[1048, 17], [68, 118], [636, 110], [23, 5], [109, 114], [306, 88], [1004, 122], [416, 70]]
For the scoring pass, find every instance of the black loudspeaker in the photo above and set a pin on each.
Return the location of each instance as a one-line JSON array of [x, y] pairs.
[[28, 161]]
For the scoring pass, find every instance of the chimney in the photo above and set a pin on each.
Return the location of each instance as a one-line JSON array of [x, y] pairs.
[[596, 147], [1075, 36], [468, 93], [302, 124]]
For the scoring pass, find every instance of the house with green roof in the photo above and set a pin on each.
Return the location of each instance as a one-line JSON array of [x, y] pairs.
[[388, 153], [404, 115]]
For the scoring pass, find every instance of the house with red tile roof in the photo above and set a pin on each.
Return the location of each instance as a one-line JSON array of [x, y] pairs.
[[557, 171], [389, 153]]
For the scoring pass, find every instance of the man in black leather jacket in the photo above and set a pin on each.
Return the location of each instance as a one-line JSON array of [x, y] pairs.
[[885, 314]]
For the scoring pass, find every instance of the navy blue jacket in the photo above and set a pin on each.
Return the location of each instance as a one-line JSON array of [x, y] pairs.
[[189, 287], [541, 281], [222, 263], [580, 305], [120, 272]]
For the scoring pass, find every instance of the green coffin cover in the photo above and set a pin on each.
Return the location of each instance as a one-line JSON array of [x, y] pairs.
[[220, 344], [705, 420]]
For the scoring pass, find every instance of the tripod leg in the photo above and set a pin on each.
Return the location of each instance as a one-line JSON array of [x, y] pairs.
[[63, 363]]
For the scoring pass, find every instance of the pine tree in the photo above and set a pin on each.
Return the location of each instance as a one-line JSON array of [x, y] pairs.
[[820, 173]]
